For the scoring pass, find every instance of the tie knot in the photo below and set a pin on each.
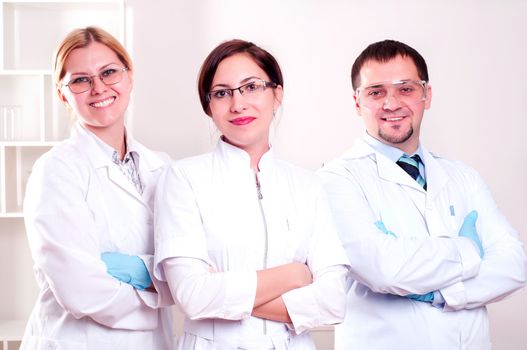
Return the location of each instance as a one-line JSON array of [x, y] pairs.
[[411, 166], [413, 160]]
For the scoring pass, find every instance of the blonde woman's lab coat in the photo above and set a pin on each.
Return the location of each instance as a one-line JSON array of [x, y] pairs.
[[78, 205], [209, 213], [428, 255]]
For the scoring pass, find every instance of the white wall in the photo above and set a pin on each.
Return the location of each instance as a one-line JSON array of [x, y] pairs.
[[476, 52]]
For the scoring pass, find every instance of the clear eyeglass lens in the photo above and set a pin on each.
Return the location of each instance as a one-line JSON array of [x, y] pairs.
[[108, 76], [408, 92], [251, 88]]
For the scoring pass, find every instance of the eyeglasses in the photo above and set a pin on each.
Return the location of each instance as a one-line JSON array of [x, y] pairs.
[[251, 89], [109, 76], [408, 92]]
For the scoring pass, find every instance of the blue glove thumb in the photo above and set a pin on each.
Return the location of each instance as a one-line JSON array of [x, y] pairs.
[[425, 298], [380, 225], [128, 269], [468, 230]]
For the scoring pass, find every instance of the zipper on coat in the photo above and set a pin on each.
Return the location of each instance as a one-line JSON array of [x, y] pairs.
[[266, 245]]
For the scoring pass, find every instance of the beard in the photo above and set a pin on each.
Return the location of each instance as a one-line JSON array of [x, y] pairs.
[[396, 138]]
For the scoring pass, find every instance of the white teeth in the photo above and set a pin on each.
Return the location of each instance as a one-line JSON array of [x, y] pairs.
[[394, 119], [104, 103]]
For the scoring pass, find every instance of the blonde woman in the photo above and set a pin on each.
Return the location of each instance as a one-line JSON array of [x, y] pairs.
[[88, 214]]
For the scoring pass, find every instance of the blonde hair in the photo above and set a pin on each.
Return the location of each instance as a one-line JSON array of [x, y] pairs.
[[80, 38]]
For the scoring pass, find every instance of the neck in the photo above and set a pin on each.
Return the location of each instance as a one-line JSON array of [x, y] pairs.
[[255, 151], [408, 148], [112, 136], [255, 155]]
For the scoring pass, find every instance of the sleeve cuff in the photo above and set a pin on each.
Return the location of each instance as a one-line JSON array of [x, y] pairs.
[[469, 256], [161, 297], [302, 307], [240, 294], [455, 297]]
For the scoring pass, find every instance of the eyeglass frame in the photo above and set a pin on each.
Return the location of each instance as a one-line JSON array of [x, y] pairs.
[[423, 84], [240, 89], [121, 69]]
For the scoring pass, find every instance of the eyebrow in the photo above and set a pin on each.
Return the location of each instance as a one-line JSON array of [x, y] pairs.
[[242, 82], [100, 70], [382, 83]]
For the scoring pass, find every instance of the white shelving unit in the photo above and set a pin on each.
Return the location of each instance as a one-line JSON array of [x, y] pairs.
[[32, 120]]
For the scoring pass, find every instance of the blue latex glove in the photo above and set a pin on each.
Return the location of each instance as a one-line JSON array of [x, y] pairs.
[[380, 226], [128, 269], [468, 229], [425, 298]]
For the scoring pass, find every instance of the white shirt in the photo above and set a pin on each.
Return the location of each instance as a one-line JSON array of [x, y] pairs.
[[79, 204], [208, 210], [365, 186]]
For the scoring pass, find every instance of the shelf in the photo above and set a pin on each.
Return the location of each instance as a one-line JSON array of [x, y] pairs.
[[23, 20], [17, 215], [23, 93], [37, 111], [29, 143], [12, 330], [21, 161]]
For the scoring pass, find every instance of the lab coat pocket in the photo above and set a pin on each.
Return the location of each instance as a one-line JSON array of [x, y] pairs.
[[39, 343]]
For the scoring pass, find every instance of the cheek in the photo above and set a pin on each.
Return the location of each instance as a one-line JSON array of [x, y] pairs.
[[74, 102]]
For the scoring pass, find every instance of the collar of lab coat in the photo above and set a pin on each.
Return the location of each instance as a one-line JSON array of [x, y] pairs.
[[149, 161], [239, 160], [436, 176]]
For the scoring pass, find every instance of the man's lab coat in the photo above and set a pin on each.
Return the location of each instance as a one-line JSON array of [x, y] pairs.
[[427, 255]]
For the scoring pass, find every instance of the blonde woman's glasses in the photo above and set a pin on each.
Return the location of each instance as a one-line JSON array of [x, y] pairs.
[[83, 83]]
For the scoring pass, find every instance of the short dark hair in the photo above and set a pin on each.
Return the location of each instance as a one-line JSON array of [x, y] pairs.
[[384, 51], [262, 58]]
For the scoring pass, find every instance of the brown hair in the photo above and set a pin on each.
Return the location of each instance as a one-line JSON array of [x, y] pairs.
[[80, 38], [262, 58], [384, 51]]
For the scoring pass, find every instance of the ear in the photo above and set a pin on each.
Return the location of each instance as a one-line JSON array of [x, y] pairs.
[[130, 76], [357, 106], [62, 97], [428, 101], [278, 95]]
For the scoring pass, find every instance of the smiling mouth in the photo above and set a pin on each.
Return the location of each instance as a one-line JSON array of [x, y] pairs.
[[103, 103], [393, 119]]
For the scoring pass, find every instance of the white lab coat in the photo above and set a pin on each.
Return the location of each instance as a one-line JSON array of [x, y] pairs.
[[78, 205], [364, 186], [208, 210]]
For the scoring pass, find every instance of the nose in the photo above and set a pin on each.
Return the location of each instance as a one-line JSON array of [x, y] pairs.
[[97, 86], [237, 101], [391, 102]]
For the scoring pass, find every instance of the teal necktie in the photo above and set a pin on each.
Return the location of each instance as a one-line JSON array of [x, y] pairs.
[[411, 166]]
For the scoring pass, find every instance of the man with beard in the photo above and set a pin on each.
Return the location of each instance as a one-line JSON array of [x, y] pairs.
[[428, 247]]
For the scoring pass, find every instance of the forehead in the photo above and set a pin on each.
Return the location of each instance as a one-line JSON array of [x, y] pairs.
[[236, 68], [398, 68], [90, 58]]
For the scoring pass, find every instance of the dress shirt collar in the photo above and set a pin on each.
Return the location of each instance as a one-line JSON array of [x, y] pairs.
[[390, 152]]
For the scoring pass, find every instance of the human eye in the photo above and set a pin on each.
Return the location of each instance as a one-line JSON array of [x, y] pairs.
[[407, 89], [108, 72], [376, 93], [80, 80], [220, 94], [253, 86]]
